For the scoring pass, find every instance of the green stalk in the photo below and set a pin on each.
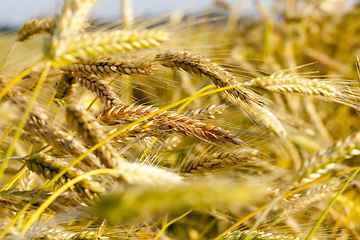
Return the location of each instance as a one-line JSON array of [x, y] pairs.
[[323, 215], [25, 116]]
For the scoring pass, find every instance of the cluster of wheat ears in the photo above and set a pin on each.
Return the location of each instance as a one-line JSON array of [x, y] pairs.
[[110, 135]]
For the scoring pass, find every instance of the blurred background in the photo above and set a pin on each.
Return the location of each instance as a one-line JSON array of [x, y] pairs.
[[15, 13]]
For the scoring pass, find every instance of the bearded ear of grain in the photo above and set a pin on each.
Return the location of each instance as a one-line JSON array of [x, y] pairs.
[[34, 27], [132, 173], [108, 67], [101, 89], [167, 120], [280, 82], [270, 120], [198, 65], [301, 201], [66, 87], [325, 158], [67, 29], [259, 235], [48, 167], [59, 232], [210, 112], [221, 160], [142, 174], [26, 181], [16, 95], [37, 124], [18, 199], [61, 140], [110, 42], [329, 89], [92, 132], [241, 96]]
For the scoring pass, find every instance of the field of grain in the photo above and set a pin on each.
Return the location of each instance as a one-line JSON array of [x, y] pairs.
[[196, 126]]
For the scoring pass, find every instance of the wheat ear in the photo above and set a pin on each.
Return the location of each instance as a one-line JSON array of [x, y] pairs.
[[324, 159], [268, 118], [257, 235], [16, 199], [302, 200], [60, 140], [198, 65], [209, 112], [37, 125], [133, 173], [241, 96], [60, 233], [26, 181], [167, 120], [16, 95], [65, 88], [108, 67], [330, 89], [103, 43], [102, 90], [142, 174], [280, 82], [48, 167], [34, 27], [218, 160], [68, 26], [92, 132]]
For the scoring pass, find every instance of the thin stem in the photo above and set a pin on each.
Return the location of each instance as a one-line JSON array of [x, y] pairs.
[[24, 118], [171, 222], [323, 215]]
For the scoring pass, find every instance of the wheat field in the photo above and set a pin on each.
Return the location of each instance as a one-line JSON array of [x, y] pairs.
[[198, 126]]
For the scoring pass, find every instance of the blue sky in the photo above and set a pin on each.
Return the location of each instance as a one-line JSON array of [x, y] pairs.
[[16, 12]]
